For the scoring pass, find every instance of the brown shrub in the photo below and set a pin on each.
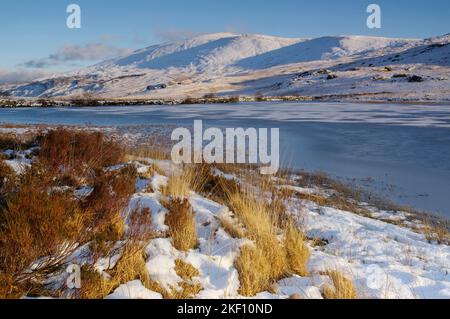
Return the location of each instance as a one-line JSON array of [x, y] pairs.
[[111, 194], [182, 225], [139, 224], [10, 142], [37, 223], [7, 181], [43, 225], [79, 153]]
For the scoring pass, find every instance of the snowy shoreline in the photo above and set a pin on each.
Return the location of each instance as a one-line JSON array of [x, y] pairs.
[[52, 103], [136, 136]]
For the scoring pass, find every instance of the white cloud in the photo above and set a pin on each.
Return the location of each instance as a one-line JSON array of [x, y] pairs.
[[71, 53], [7, 76]]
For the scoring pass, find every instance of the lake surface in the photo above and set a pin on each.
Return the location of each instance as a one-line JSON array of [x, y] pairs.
[[399, 151]]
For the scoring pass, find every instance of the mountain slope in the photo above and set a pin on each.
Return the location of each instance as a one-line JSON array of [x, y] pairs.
[[324, 48]]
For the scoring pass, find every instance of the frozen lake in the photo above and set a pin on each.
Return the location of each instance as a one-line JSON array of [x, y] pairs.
[[399, 151]]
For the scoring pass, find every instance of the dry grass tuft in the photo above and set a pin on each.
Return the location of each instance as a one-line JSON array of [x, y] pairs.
[[254, 270], [195, 178], [188, 290], [232, 226], [436, 232], [185, 270], [94, 286], [260, 266], [279, 247], [189, 287], [297, 252], [253, 214], [343, 287], [179, 185], [160, 149], [130, 267], [182, 224]]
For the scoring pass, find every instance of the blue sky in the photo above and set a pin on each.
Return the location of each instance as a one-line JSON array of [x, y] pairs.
[[32, 31]]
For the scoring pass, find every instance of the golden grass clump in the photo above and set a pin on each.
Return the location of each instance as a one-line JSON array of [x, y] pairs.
[[132, 264], [232, 226], [196, 177], [189, 287], [185, 270], [254, 270], [130, 267], [253, 214], [179, 185], [436, 232], [343, 288], [182, 224], [260, 266], [279, 247], [297, 252]]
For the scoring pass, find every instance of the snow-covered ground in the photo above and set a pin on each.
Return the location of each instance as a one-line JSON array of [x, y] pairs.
[[382, 259], [349, 67], [382, 255]]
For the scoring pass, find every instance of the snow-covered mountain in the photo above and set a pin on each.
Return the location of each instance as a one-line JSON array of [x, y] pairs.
[[247, 64], [202, 52]]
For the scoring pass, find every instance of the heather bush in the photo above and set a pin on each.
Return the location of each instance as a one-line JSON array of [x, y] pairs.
[[78, 153], [39, 228], [42, 222]]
